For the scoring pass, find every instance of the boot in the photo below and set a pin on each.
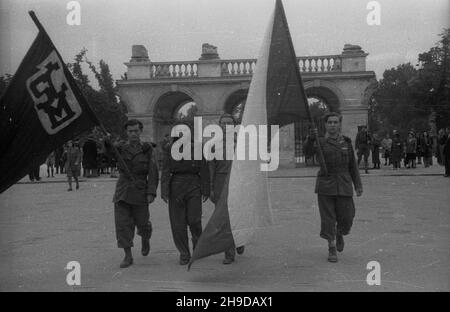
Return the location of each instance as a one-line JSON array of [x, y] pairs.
[[184, 260], [128, 260], [332, 256], [145, 247], [228, 261], [340, 243]]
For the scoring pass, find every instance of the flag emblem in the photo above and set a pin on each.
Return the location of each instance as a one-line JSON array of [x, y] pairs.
[[54, 100], [41, 109]]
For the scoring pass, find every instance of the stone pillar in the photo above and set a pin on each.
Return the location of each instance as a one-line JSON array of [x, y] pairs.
[[351, 119], [209, 52], [139, 65], [210, 65], [353, 59]]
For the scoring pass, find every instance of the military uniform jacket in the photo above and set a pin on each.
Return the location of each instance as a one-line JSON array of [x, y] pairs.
[[362, 140], [172, 167], [341, 165], [222, 166], [73, 159], [142, 165]]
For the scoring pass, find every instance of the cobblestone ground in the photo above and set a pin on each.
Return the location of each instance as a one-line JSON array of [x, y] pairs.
[[402, 221]]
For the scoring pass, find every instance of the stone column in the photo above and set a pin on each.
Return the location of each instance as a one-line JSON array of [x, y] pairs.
[[353, 59], [351, 119]]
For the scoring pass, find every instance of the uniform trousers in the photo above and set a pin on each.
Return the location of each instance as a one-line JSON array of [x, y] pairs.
[[127, 218], [185, 210], [363, 152], [336, 215]]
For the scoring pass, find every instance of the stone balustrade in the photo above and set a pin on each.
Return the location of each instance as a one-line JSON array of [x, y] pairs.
[[173, 70], [238, 67], [242, 67], [320, 64]]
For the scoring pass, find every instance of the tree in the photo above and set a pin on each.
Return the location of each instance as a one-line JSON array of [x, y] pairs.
[[432, 88], [394, 104], [407, 96], [105, 103]]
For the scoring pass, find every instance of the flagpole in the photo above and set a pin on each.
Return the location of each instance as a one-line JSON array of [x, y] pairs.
[[305, 99], [102, 127]]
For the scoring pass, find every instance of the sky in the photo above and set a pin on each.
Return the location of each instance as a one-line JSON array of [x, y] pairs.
[[174, 30]]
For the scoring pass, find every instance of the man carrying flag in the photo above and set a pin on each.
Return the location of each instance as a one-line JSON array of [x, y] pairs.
[[40, 110], [276, 97], [334, 188], [135, 190]]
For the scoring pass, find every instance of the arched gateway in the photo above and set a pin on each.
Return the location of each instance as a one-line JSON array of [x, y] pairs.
[[158, 93]]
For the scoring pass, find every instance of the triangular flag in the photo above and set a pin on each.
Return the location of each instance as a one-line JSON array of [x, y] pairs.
[[276, 97]]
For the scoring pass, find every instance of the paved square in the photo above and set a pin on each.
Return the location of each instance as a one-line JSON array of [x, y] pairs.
[[402, 221]]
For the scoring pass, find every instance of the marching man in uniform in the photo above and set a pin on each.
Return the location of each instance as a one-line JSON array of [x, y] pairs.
[[184, 186], [334, 188], [135, 190], [362, 144]]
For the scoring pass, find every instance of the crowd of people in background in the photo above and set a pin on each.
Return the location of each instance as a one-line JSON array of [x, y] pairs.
[[417, 148], [74, 159], [395, 150]]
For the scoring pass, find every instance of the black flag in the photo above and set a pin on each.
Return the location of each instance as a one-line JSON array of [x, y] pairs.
[[41, 109]]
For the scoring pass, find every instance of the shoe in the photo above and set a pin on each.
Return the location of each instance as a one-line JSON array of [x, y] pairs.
[[69, 189], [240, 250], [126, 262], [184, 261], [145, 247], [339, 243], [332, 256], [77, 187], [228, 261]]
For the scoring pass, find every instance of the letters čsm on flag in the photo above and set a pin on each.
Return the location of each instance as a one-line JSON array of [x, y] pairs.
[[41, 109], [276, 97]]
